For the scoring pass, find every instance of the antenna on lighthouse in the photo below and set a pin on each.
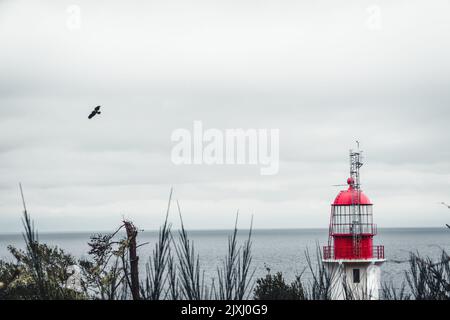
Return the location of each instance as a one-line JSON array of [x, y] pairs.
[[355, 184]]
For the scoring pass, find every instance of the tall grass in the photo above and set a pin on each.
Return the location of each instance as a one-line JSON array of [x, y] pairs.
[[429, 280], [390, 292], [159, 261], [32, 244], [191, 278], [234, 274], [245, 272], [317, 287], [174, 271], [425, 279], [321, 285], [40, 271]]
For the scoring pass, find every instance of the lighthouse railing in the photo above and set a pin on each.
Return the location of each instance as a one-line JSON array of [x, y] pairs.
[[348, 253]]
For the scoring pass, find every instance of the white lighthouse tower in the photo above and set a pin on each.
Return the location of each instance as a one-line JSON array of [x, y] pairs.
[[350, 256]]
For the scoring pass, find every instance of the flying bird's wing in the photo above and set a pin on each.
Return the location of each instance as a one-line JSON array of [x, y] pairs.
[[95, 112], [448, 226]]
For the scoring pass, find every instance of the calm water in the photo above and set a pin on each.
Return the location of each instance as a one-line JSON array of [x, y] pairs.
[[280, 250]]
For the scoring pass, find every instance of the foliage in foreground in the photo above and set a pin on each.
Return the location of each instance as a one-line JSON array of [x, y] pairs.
[[429, 280], [274, 287], [173, 271]]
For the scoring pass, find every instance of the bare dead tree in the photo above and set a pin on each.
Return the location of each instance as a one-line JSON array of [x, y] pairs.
[[132, 233]]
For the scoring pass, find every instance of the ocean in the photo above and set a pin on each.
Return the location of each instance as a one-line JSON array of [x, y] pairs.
[[280, 250]]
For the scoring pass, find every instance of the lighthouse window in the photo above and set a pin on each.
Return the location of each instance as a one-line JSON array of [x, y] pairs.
[[356, 276]]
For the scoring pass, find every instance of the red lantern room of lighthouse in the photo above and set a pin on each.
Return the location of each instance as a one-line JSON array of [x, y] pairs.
[[350, 248]]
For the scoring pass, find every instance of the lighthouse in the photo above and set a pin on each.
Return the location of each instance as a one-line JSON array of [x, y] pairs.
[[352, 259]]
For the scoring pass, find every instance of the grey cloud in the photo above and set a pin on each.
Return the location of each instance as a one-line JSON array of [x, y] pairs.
[[315, 71]]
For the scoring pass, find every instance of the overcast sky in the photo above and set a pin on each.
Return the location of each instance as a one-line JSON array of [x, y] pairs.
[[324, 75]]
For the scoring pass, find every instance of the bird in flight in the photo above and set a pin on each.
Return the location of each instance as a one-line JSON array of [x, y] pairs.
[[95, 112], [445, 204]]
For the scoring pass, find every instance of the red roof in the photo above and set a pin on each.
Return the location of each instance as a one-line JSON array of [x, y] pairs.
[[350, 196]]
